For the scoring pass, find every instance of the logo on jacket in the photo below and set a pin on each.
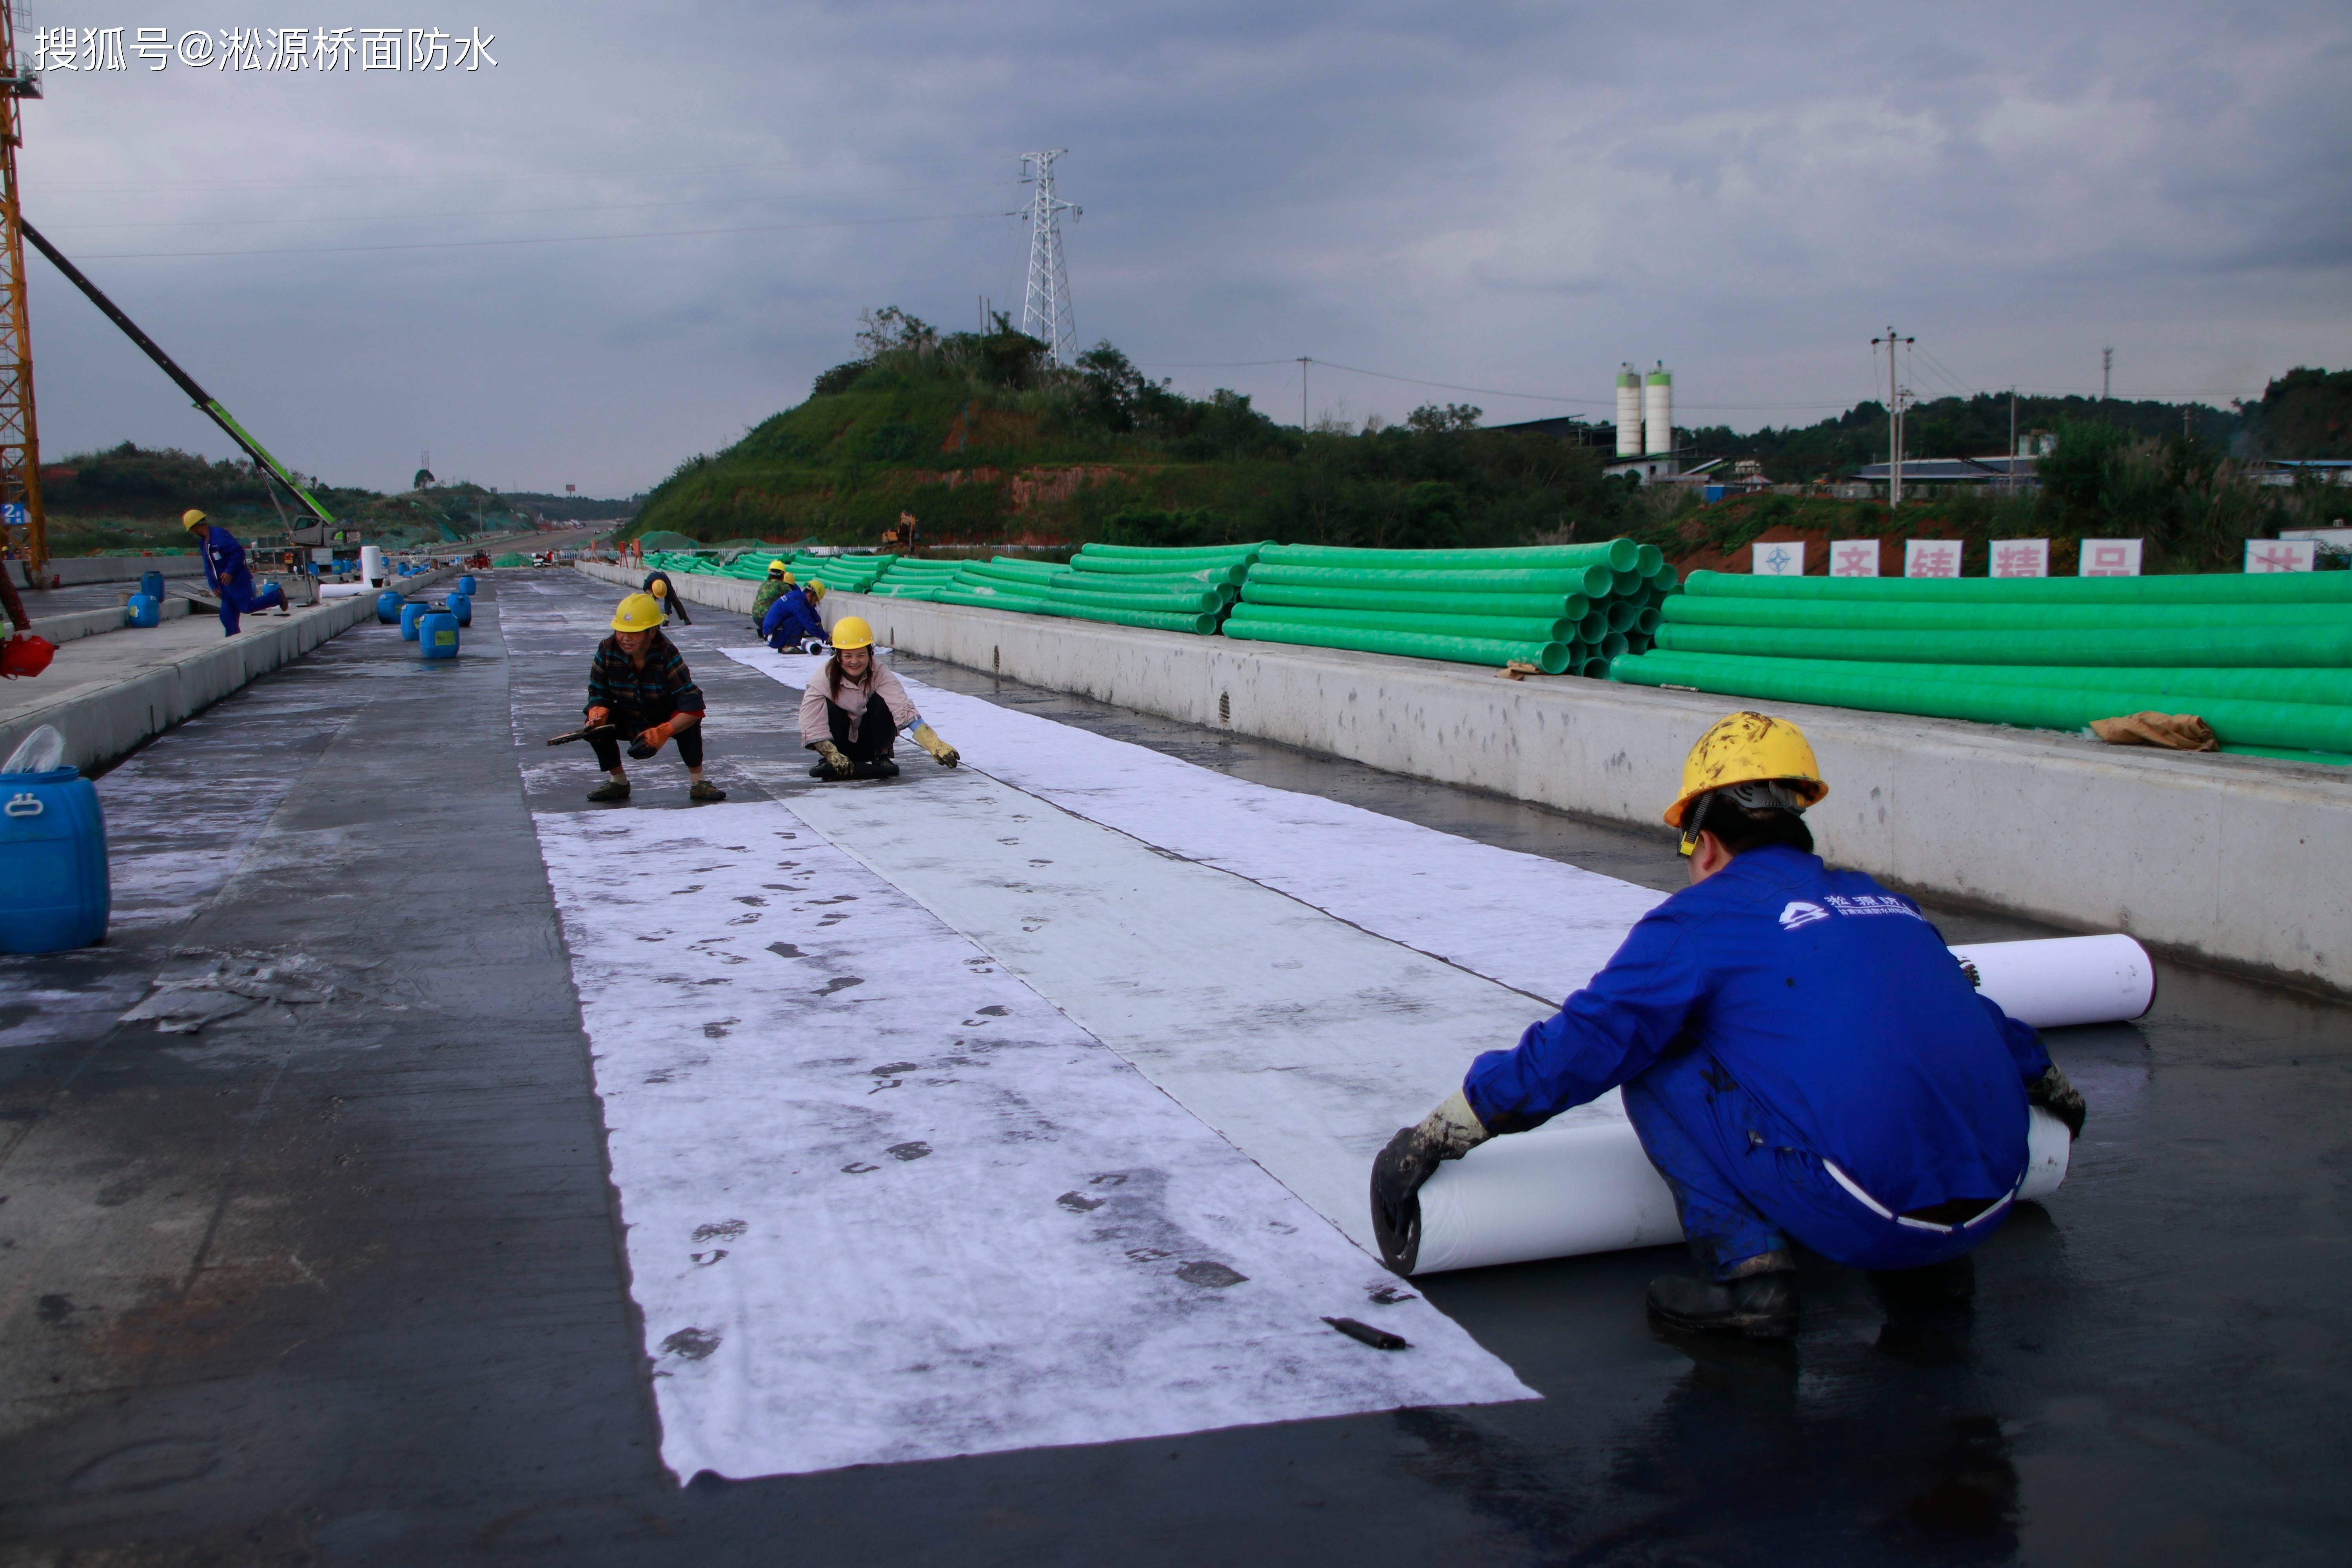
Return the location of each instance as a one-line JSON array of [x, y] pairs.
[[1801, 914]]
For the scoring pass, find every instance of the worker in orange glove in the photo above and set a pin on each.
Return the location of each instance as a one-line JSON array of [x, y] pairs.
[[640, 685]]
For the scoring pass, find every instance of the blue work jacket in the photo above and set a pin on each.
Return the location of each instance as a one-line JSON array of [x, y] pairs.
[[792, 612], [224, 559], [1831, 1001]]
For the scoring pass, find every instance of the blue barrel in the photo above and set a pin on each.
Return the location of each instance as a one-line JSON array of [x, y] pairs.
[[462, 606], [52, 861], [436, 634], [408, 613], [387, 607], [143, 610], [151, 585], [466, 585]]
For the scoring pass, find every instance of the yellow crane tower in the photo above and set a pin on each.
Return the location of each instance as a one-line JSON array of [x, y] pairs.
[[20, 444]]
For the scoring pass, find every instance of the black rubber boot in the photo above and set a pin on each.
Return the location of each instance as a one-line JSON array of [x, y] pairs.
[[1945, 1284], [1760, 1306], [879, 768]]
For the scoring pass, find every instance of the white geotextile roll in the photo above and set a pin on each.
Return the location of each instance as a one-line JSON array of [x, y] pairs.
[[347, 590], [2064, 980], [1562, 1192]]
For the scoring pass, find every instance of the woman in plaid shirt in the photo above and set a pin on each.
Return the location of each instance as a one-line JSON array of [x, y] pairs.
[[640, 685]]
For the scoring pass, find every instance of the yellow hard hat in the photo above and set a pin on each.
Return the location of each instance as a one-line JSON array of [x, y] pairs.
[[815, 591], [1749, 748], [779, 566], [660, 588], [851, 631], [190, 518], [638, 613]]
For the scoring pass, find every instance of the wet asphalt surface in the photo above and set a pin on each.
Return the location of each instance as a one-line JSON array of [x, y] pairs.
[[338, 1281]]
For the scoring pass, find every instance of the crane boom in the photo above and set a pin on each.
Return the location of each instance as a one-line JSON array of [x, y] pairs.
[[203, 400]]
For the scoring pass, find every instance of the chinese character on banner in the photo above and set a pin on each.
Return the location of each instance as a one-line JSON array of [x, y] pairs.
[[331, 51], [2109, 558], [288, 48], [55, 49], [474, 52], [380, 49], [428, 50], [2281, 554], [2021, 558], [101, 49], [240, 49], [1853, 558], [1931, 558], [154, 44], [1784, 559]]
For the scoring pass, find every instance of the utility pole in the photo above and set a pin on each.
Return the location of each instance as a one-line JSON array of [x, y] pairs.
[[2010, 468], [2107, 374], [1893, 421], [1045, 312], [1303, 362]]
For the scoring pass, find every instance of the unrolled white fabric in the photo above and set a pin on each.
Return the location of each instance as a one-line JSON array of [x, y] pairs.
[[884, 1204], [2064, 980]]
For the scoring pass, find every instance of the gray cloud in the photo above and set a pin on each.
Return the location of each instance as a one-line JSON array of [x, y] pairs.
[[1500, 195]]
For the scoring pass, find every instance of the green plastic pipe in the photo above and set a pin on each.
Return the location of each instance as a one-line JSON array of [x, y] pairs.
[[1573, 605], [1203, 552], [1551, 657], [1620, 553], [2327, 688], [1652, 617], [1498, 628], [1894, 614], [1595, 625], [1622, 614], [1595, 582], [1595, 668], [1202, 601], [2299, 725], [1614, 644], [2209, 587], [2199, 647], [1124, 582], [1220, 572], [2332, 759], [1652, 558]]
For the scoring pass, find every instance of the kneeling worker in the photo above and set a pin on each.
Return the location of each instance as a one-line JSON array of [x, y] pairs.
[[853, 708], [779, 579], [640, 685], [1800, 1055], [792, 619], [665, 592], [229, 577]]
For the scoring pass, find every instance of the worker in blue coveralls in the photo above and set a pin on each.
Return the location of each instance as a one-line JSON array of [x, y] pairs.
[[230, 578], [792, 622], [1802, 1057]]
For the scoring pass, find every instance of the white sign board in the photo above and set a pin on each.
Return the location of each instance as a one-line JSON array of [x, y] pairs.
[[1931, 558], [2020, 558], [2280, 555], [1853, 558], [2109, 558], [1783, 558], [2331, 540]]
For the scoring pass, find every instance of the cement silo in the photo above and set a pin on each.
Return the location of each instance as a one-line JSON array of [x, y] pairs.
[[1657, 411], [1629, 413]]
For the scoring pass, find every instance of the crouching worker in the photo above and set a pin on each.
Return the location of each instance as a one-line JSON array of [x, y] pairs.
[[791, 621], [852, 709], [779, 579], [665, 594], [640, 685], [229, 577], [1802, 1057]]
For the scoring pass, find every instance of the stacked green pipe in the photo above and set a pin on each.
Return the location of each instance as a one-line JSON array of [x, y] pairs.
[[1178, 590], [2265, 660], [1561, 607]]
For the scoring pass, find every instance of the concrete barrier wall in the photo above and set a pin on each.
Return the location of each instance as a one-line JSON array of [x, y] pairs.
[[101, 724], [76, 571], [78, 624], [2232, 860]]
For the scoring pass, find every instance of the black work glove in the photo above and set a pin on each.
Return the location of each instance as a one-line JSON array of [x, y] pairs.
[[640, 751], [2062, 1100], [1398, 1171]]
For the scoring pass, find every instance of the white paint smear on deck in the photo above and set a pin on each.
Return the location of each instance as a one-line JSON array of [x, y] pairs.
[[884, 1204]]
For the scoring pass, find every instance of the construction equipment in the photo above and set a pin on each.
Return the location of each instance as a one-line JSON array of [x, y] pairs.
[[209, 406], [585, 732], [20, 446]]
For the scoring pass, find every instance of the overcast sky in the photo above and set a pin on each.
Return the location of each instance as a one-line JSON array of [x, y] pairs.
[[367, 265]]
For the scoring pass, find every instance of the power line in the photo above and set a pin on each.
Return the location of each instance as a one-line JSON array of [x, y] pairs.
[[541, 239], [508, 212], [1045, 312]]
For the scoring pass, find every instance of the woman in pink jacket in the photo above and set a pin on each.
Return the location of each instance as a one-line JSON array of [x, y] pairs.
[[852, 709]]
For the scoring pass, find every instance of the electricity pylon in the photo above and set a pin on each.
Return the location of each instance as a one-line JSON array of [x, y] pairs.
[[1045, 309], [20, 446]]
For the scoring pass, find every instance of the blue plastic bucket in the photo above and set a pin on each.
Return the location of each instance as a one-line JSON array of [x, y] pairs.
[[436, 634], [462, 606], [142, 610], [52, 861], [466, 585], [408, 615], [151, 585], [387, 607]]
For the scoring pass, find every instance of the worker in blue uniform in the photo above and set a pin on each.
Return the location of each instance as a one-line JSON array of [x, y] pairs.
[[225, 571], [791, 621], [1800, 1055]]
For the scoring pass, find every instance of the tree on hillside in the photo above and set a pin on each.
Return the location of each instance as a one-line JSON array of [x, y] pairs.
[[2302, 413]]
